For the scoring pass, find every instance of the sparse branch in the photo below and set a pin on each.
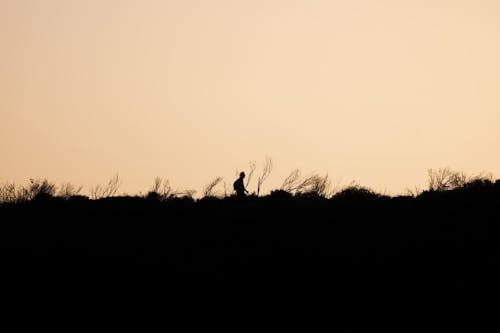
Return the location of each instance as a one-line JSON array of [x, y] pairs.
[[306, 184], [109, 190], [268, 168], [311, 185], [67, 190], [250, 173], [290, 183], [112, 187], [156, 185], [208, 191], [320, 186], [95, 192], [161, 189], [445, 179]]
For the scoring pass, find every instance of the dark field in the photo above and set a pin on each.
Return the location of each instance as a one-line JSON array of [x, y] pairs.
[[358, 241]]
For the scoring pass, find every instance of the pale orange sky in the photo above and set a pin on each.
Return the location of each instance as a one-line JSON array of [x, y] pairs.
[[376, 91]]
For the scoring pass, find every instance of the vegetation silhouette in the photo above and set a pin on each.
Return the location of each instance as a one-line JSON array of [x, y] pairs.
[[356, 240]]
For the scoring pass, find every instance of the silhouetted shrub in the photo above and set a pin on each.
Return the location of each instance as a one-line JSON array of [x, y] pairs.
[[67, 190], [280, 194], [249, 174], [109, 190], [208, 191], [356, 192], [37, 189], [479, 183], [313, 185], [153, 196], [161, 190], [445, 179]]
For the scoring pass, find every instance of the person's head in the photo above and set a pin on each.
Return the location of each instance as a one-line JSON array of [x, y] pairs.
[[242, 175]]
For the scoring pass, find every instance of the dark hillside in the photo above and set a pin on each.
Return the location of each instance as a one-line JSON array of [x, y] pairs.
[[437, 240]]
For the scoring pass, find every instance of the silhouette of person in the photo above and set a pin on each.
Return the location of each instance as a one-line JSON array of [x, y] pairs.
[[239, 186]]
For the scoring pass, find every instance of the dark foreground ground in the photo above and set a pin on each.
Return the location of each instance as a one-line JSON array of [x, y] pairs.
[[353, 245]]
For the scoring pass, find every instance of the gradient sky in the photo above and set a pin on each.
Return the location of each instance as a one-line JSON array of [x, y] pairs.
[[376, 91]]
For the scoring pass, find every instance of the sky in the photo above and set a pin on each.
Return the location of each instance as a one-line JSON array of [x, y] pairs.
[[371, 91]]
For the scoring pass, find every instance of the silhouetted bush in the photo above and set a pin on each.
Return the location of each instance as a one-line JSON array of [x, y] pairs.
[[106, 191], [155, 196], [160, 191], [68, 190], [280, 194], [445, 179], [479, 183], [356, 192], [208, 191], [313, 185], [38, 189]]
